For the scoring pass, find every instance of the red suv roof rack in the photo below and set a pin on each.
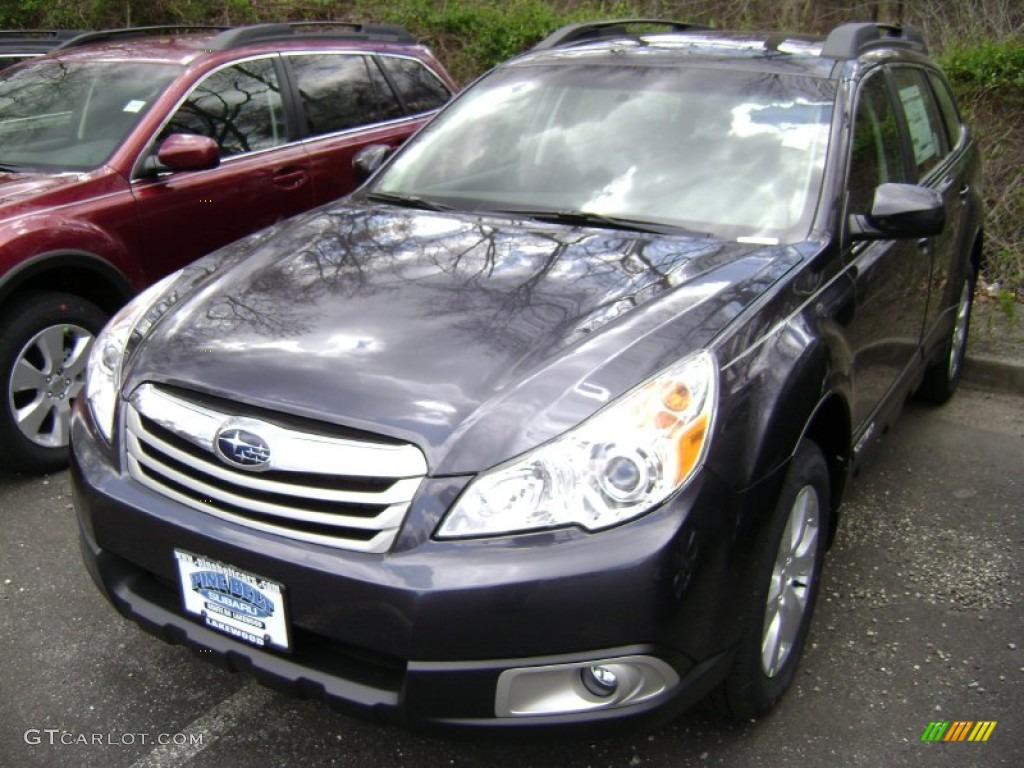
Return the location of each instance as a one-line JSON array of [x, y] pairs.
[[232, 37], [344, 30], [106, 35]]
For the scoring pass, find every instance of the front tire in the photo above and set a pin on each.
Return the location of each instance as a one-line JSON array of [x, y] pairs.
[[781, 599], [43, 353]]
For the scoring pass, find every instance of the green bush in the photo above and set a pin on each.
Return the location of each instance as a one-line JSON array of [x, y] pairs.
[[991, 64], [472, 36]]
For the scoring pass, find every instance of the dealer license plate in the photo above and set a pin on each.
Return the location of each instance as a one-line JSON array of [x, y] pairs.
[[240, 604]]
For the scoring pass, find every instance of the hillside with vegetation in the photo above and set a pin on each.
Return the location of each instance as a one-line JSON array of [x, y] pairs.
[[980, 44]]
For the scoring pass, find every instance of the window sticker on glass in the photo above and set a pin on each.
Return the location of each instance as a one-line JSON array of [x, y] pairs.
[[921, 134], [134, 106]]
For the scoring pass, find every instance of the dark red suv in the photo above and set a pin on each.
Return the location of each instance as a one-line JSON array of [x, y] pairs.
[[126, 154]]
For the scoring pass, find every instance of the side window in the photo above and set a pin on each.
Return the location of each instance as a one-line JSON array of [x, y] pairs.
[[876, 155], [341, 91], [948, 108], [238, 106], [923, 120], [419, 88]]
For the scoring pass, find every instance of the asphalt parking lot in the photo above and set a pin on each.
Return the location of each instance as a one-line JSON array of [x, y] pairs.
[[920, 621]]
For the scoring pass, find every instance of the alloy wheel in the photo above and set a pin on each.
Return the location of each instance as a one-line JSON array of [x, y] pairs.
[[795, 564], [959, 339], [48, 374]]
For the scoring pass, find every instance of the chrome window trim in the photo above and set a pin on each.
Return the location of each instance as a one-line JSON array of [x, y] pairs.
[[151, 141]]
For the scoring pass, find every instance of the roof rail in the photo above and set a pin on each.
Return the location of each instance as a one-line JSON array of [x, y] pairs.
[[847, 41], [588, 31], [107, 35], [343, 30]]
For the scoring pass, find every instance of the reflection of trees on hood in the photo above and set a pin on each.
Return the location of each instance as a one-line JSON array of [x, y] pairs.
[[505, 286]]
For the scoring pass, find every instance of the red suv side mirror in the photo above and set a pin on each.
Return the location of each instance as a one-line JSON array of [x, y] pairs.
[[188, 152]]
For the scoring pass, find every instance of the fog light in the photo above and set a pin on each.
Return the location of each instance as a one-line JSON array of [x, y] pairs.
[[599, 681], [582, 686]]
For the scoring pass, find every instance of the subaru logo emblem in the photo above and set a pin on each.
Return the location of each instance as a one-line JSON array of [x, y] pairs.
[[241, 448]]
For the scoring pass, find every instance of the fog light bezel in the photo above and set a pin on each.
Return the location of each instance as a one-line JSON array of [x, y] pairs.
[[561, 689]]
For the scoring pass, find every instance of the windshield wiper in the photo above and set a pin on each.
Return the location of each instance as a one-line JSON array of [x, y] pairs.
[[588, 219], [408, 201], [8, 168]]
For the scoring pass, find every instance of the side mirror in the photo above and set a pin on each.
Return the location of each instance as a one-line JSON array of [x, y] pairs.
[[369, 159], [900, 211], [184, 152]]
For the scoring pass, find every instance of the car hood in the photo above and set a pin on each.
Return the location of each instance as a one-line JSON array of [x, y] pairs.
[[17, 188], [475, 338]]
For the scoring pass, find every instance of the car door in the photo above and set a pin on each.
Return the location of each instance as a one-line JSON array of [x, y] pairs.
[[891, 276], [263, 175], [935, 165], [347, 103]]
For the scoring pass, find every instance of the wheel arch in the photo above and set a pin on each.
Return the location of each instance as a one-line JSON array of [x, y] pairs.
[[798, 388], [82, 274], [977, 256], [830, 428]]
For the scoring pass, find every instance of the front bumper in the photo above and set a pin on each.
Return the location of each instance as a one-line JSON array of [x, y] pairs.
[[424, 637]]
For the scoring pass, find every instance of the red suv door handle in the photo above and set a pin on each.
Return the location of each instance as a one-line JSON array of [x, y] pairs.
[[290, 178]]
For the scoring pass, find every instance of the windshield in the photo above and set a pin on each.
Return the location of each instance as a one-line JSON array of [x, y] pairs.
[[70, 116], [737, 154]]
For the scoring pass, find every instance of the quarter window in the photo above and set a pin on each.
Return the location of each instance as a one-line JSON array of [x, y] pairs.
[[948, 108], [419, 88], [238, 106], [342, 91]]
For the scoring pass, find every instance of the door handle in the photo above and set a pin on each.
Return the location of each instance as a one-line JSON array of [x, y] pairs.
[[290, 178]]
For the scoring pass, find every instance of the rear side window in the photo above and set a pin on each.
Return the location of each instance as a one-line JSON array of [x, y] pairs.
[[924, 123], [948, 108], [420, 89], [341, 91], [239, 107]]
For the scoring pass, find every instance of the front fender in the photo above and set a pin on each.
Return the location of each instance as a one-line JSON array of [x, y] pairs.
[[35, 248], [771, 396]]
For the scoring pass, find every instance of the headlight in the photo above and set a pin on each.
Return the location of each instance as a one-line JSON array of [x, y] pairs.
[[127, 327], [615, 466]]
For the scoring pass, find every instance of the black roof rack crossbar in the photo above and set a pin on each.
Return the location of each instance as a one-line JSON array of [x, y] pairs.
[[38, 34], [107, 35], [588, 31], [34, 41], [232, 38], [847, 41]]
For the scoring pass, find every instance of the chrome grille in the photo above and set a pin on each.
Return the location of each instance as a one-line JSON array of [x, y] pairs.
[[315, 487]]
